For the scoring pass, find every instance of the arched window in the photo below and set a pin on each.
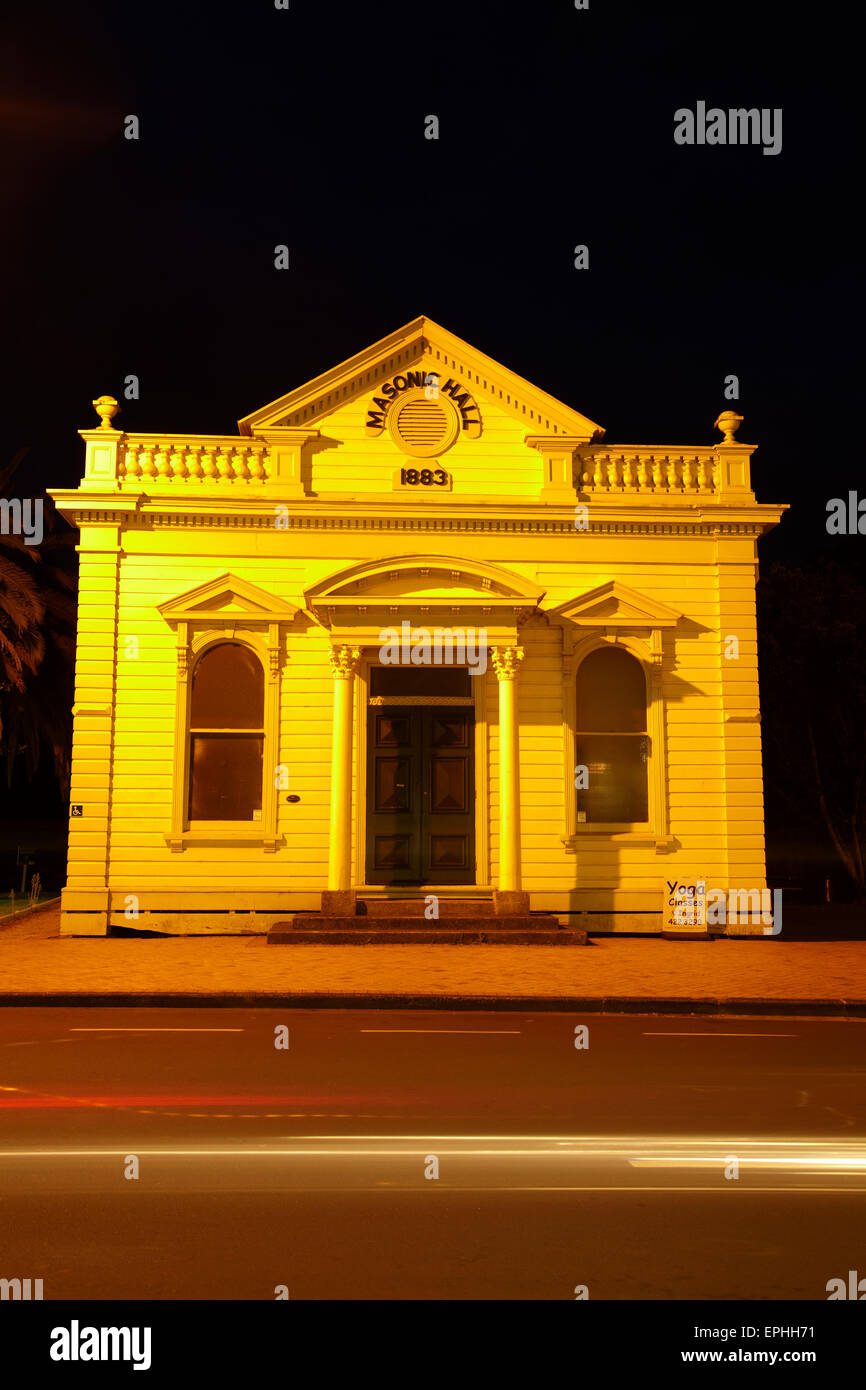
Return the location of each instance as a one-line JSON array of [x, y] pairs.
[[226, 735], [612, 741]]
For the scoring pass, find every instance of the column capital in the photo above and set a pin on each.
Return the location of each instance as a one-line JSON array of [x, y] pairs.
[[344, 661], [506, 662]]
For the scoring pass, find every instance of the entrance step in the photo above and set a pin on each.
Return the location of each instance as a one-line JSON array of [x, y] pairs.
[[310, 930], [416, 907]]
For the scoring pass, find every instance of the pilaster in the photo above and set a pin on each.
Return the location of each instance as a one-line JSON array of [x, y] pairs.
[[85, 899], [740, 713]]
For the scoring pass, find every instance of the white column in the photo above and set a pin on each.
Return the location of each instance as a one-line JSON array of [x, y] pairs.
[[343, 667], [506, 662]]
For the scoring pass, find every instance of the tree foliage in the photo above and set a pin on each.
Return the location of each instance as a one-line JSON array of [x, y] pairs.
[[37, 644]]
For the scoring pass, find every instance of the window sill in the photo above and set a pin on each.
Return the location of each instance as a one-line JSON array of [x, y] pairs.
[[178, 841], [661, 843]]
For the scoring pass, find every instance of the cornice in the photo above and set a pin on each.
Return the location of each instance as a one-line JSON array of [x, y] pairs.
[[524, 526]]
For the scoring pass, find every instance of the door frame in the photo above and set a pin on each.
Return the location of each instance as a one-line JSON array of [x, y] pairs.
[[478, 687]]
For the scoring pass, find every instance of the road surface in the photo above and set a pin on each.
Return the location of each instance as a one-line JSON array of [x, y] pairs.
[[408, 1155]]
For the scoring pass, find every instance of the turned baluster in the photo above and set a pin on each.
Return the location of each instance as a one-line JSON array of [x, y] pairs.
[[256, 463], [176, 462], [209, 464], [193, 463]]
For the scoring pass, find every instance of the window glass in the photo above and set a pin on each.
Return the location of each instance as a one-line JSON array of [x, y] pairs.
[[617, 790], [225, 756], [225, 775], [611, 738], [611, 693], [420, 680], [227, 689]]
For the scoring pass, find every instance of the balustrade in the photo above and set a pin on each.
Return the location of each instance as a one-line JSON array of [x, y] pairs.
[[674, 474], [225, 462]]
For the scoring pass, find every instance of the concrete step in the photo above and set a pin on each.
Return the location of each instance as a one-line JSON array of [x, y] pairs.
[[388, 925], [416, 907], [486, 933]]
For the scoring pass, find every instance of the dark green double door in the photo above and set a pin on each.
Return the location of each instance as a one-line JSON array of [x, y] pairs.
[[420, 794]]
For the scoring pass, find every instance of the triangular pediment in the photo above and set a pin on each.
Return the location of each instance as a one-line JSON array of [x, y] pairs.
[[616, 605], [422, 341], [227, 597]]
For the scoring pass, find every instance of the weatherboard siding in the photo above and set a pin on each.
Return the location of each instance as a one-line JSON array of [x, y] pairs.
[[317, 501]]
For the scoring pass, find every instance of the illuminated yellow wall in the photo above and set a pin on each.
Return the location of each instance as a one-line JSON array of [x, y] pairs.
[[671, 545]]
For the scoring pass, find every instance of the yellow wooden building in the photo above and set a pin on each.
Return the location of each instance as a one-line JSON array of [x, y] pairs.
[[415, 630]]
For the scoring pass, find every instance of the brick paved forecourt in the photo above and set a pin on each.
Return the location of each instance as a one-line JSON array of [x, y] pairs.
[[37, 965]]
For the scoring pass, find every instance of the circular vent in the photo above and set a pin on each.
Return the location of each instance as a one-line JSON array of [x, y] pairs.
[[423, 428]]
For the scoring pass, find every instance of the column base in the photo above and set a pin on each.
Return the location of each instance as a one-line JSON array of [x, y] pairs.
[[339, 902], [510, 902]]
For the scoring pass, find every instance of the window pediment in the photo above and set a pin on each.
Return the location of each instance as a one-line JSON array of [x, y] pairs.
[[616, 605], [227, 597]]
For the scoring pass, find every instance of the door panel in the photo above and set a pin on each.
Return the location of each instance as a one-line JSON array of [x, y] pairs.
[[420, 795], [393, 785], [392, 852], [448, 789], [451, 731], [448, 851]]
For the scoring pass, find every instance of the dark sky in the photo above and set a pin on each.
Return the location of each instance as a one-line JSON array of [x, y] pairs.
[[306, 127]]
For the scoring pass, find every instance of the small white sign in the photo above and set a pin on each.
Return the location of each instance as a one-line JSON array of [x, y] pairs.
[[685, 905]]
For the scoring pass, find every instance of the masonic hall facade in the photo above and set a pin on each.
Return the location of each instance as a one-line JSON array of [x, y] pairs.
[[415, 629]]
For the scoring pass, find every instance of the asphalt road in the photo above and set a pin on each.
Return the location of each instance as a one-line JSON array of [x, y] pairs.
[[429, 1155]]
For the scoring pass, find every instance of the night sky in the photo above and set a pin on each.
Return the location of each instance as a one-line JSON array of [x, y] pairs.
[[306, 127]]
